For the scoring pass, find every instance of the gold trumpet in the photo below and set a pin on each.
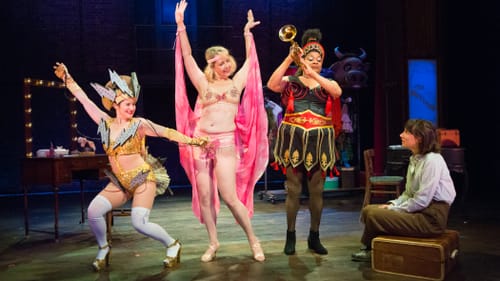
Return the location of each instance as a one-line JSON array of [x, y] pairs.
[[287, 33]]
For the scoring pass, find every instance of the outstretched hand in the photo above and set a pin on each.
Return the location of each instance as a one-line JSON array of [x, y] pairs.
[[200, 141], [61, 71], [180, 7], [251, 23]]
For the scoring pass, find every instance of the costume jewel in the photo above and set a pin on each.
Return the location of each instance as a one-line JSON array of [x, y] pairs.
[[115, 78], [126, 134], [313, 46], [104, 132], [139, 178], [135, 84], [104, 92]]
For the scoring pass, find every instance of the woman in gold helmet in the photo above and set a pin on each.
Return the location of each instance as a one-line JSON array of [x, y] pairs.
[[135, 175]]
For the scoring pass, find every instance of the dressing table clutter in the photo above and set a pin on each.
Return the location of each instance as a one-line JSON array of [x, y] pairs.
[[52, 152], [85, 147]]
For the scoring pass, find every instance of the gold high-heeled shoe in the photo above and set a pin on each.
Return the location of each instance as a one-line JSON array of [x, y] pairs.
[[210, 253], [173, 261], [258, 254], [100, 264]]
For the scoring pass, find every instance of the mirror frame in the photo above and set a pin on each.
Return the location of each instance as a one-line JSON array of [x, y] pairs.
[[28, 135]]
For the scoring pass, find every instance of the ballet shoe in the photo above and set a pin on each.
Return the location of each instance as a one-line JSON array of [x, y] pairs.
[[210, 253], [100, 264], [258, 254], [171, 261]]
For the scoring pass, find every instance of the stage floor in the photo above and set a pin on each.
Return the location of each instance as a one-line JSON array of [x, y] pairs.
[[136, 257]]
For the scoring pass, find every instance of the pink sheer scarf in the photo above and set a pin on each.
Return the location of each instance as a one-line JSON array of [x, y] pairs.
[[250, 135]]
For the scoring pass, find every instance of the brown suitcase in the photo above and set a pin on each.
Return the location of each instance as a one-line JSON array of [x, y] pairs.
[[428, 258]]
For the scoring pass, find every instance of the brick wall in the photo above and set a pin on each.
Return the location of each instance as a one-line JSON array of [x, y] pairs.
[[131, 35], [89, 36]]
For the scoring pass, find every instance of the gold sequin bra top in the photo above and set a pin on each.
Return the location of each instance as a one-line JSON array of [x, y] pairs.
[[128, 142]]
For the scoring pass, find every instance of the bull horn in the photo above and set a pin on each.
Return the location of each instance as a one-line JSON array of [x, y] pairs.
[[363, 54], [338, 53]]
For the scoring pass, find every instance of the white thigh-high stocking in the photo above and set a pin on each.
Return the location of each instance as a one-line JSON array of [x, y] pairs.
[[96, 211], [140, 221]]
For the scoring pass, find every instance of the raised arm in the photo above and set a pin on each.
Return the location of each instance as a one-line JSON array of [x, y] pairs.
[[241, 76], [61, 71], [277, 81], [194, 72], [251, 23]]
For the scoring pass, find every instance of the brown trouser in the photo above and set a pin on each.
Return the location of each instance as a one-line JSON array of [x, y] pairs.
[[428, 222]]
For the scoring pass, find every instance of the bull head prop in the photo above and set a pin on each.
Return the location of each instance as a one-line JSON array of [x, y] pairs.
[[351, 70]]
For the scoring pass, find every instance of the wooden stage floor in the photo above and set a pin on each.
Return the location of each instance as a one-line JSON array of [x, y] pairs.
[[136, 257]]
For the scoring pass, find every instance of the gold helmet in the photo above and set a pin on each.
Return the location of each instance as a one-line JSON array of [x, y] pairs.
[[118, 88]]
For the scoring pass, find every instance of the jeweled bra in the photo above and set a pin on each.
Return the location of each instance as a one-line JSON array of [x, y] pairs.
[[128, 142]]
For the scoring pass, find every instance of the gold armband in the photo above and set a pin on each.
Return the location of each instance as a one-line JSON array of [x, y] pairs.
[[176, 136]]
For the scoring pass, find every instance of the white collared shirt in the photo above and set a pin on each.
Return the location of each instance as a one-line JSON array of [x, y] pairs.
[[427, 179]]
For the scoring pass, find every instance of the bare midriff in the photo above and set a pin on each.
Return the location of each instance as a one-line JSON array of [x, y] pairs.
[[218, 117]]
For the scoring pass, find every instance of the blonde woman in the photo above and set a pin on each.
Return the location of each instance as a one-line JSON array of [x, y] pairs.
[[237, 130]]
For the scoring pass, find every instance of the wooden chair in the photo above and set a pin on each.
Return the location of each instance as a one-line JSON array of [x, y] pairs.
[[378, 184], [121, 212]]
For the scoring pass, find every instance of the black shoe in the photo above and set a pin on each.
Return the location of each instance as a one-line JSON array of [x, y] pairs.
[[290, 243], [314, 244], [363, 255]]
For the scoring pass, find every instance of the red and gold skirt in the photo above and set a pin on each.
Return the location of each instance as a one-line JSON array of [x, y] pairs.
[[306, 139]]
